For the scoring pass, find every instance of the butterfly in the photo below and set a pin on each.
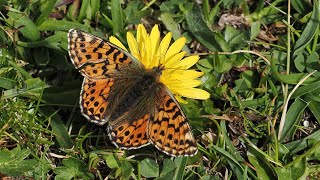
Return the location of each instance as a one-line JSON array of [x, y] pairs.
[[117, 89]]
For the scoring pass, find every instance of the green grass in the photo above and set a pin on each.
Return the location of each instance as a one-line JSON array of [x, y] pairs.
[[261, 65]]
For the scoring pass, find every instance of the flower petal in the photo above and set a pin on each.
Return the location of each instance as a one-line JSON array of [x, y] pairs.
[[141, 35], [155, 40], [116, 41], [187, 62], [148, 50], [194, 93], [187, 74], [173, 61], [133, 46], [163, 47], [175, 48]]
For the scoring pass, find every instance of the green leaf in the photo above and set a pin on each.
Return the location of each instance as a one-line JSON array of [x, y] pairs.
[[45, 13], [34, 88], [302, 90], [7, 83], [299, 169], [283, 173], [149, 168], [61, 25], [14, 162], [112, 161], [300, 63], [293, 118], [127, 169], [263, 170], [117, 17], [180, 163], [72, 168], [25, 25], [167, 170], [58, 128], [41, 56], [134, 13], [300, 6], [309, 31], [222, 64], [312, 63], [234, 37], [200, 30], [255, 30], [314, 108], [171, 25], [301, 144]]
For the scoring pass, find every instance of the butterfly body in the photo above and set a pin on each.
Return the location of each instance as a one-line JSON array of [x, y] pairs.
[[133, 94], [118, 90]]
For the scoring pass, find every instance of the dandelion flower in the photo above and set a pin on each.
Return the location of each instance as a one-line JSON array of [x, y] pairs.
[[152, 52]]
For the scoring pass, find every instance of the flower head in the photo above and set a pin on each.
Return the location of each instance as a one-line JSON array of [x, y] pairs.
[[151, 51]]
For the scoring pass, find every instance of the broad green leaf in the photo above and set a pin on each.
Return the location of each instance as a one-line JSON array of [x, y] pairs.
[[149, 168], [7, 83], [255, 30], [221, 64], [14, 162], [34, 88], [25, 25], [283, 173], [302, 90], [301, 144], [167, 170], [72, 169], [312, 63], [299, 168], [180, 163], [300, 63], [171, 25], [200, 30], [309, 31], [127, 169], [112, 161], [134, 12], [61, 25], [262, 172], [293, 118], [117, 17], [314, 108]]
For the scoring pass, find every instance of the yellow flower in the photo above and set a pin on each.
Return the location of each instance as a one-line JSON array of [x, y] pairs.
[[152, 52]]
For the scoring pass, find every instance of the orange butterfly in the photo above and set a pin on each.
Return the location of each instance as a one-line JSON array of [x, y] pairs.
[[119, 90]]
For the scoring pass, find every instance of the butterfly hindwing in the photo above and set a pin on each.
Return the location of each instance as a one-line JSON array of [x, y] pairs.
[[169, 130], [93, 99], [130, 134], [95, 57]]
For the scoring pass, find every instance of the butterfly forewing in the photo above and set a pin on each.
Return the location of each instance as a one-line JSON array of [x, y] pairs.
[[170, 131], [93, 56]]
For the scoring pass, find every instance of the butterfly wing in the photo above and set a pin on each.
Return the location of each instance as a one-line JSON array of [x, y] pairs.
[[94, 57], [93, 99], [169, 130], [130, 134], [97, 60]]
